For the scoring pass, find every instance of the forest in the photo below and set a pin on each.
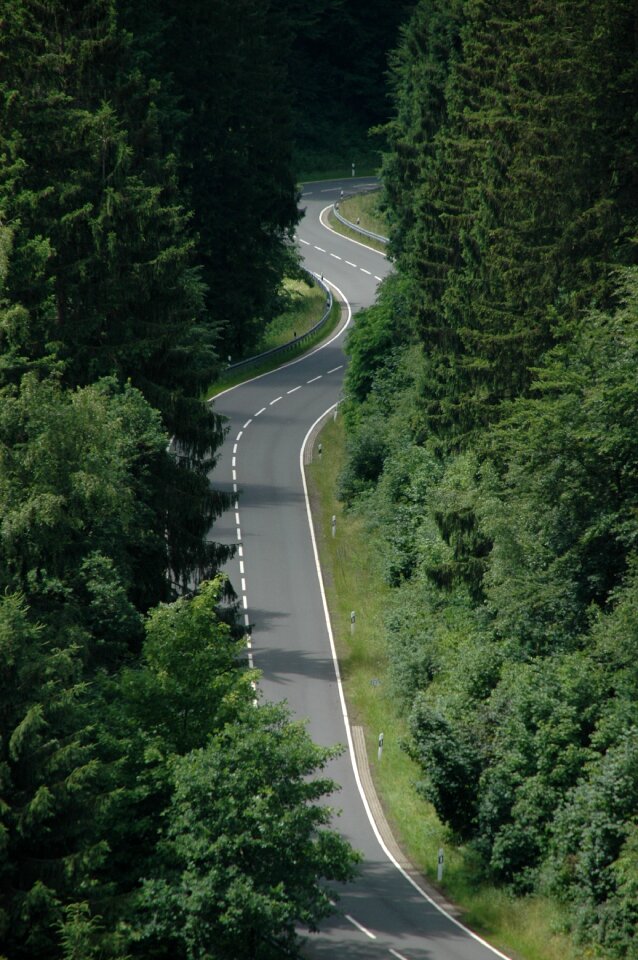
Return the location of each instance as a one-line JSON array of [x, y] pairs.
[[148, 200], [493, 446], [149, 156]]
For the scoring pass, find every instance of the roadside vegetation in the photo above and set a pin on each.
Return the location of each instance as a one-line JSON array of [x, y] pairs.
[[307, 307], [365, 210], [491, 449], [529, 928]]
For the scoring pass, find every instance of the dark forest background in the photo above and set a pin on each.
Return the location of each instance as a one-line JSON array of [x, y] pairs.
[[491, 414], [148, 163]]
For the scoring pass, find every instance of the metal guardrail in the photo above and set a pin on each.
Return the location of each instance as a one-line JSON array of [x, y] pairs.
[[355, 226], [284, 348]]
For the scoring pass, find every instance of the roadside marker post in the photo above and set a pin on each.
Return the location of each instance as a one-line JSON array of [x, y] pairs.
[[334, 525], [353, 618], [439, 868], [380, 749]]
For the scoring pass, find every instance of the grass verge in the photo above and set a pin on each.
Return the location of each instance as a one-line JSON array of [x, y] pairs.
[[353, 235], [365, 208], [525, 928], [282, 328]]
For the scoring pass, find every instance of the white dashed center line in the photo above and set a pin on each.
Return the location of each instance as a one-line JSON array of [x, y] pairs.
[[360, 926], [334, 369], [293, 389], [335, 256], [320, 249], [399, 956], [248, 423], [377, 278], [259, 412], [350, 263], [240, 435], [365, 271], [307, 242], [276, 400], [314, 379]]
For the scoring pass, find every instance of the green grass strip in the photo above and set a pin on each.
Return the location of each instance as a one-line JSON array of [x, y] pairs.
[[525, 928], [235, 377]]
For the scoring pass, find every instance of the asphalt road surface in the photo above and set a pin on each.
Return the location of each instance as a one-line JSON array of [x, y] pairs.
[[382, 914]]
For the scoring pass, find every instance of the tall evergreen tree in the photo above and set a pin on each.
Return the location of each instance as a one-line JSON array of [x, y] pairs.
[[102, 276]]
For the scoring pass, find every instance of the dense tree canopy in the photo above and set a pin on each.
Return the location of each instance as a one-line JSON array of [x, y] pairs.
[[146, 203], [491, 428]]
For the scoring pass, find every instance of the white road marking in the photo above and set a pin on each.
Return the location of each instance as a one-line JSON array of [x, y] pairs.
[[336, 256], [248, 423], [314, 379], [237, 519], [240, 435], [240, 551], [293, 389], [238, 533], [243, 585], [334, 369], [233, 462], [344, 709], [236, 504], [245, 603], [350, 263], [241, 567], [320, 249], [276, 400], [234, 488], [235, 449], [250, 661], [246, 620], [360, 926], [307, 242], [365, 271], [259, 412], [377, 278], [399, 956], [234, 474]]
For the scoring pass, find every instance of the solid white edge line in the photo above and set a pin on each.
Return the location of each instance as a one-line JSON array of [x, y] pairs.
[[343, 236], [344, 709], [360, 926], [291, 363]]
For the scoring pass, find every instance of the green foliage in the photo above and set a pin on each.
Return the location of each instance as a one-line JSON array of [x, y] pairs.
[[505, 505], [245, 844], [79, 528], [52, 779]]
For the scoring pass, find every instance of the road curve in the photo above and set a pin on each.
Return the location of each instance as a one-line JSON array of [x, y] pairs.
[[382, 914]]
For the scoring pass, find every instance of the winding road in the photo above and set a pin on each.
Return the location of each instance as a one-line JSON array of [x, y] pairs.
[[384, 913]]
